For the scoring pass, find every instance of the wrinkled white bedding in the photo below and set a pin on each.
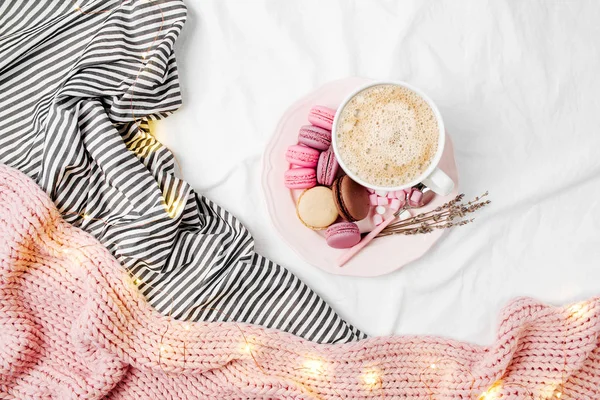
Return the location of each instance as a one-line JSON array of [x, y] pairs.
[[518, 85]]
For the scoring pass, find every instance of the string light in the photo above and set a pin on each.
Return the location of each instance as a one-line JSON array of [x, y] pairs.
[[186, 327], [174, 208], [86, 216], [137, 281], [577, 310], [558, 395], [314, 367], [247, 348], [492, 393], [433, 366], [372, 379], [144, 54]]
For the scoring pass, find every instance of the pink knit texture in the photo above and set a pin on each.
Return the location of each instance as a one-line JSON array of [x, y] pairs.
[[72, 325]]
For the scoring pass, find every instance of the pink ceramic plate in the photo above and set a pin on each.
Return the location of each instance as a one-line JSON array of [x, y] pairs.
[[382, 255]]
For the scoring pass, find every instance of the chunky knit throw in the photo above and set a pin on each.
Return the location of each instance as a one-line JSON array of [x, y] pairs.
[[72, 325]]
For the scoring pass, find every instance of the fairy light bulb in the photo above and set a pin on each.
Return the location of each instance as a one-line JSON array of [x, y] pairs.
[[186, 327], [163, 349], [144, 54], [174, 208], [137, 281], [76, 7], [577, 310], [86, 216], [247, 348], [433, 366], [371, 379], [492, 393], [558, 395], [314, 367]]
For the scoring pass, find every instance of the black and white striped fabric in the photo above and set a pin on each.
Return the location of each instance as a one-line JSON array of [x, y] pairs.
[[78, 84]]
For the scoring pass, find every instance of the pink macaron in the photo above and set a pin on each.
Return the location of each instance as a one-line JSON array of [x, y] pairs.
[[342, 235], [302, 156], [300, 178], [315, 137], [322, 117], [327, 168]]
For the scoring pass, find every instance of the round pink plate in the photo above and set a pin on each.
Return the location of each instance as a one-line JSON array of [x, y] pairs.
[[382, 255]]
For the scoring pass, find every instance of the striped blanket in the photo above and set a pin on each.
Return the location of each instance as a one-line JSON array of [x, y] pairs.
[[79, 82]]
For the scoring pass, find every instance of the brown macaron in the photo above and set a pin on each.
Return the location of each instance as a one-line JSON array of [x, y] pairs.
[[351, 199]]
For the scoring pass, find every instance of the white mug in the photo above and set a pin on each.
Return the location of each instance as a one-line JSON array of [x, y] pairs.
[[433, 177]]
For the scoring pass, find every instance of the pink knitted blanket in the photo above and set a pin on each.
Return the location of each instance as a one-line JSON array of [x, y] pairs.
[[74, 326]]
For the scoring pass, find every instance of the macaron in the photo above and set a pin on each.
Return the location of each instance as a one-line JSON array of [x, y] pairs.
[[316, 208], [327, 168], [351, 199], [302, 156], [315, 137], [322, 117], [342, 235], [300, 178]]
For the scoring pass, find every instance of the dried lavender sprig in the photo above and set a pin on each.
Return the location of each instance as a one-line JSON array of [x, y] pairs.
[[425, 229], [442, 217], [451, 213]]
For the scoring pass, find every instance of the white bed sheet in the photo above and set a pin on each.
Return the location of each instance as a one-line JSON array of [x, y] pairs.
[[518, 84]]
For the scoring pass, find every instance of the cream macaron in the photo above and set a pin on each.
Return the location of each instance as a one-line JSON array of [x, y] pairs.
[[316, 208]]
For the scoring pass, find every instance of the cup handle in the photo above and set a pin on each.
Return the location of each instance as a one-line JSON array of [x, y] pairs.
[[439, 182]]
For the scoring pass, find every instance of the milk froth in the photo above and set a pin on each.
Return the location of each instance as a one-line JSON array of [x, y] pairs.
[[387, 135]]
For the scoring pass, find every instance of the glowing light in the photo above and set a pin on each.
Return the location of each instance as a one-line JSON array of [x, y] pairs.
[[86, 216], [558, 395], [163, 349], [247, 348], [577, 310], [186, 327], [492, 393], [137, 281], [66, 251], [314, 367], [76, 7], [371, 379], [174, 208], [144, 54], [433, 366]]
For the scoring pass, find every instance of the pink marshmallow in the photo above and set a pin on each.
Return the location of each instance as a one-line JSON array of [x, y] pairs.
[[391, 195], [373, 199], [415, 198], [377, 219], [382, 201], [401, 194], [395, 204]]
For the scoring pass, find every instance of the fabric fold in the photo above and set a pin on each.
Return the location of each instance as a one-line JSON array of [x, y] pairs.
[[77, 97]]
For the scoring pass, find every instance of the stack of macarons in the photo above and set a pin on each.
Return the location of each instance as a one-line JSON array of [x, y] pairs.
[[327, 202], [312, 159]]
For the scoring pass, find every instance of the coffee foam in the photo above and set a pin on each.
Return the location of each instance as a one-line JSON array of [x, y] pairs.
[[387, 135]]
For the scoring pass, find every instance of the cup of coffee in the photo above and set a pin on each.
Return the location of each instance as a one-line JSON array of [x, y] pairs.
[[390, 136]]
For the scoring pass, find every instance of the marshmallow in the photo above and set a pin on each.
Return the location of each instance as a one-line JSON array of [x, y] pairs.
[[382, 201], [395, 204], [415, 198], [377, 219], [380, 210], [404, 215], [373, 199], [400, 194], [381, 193]]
